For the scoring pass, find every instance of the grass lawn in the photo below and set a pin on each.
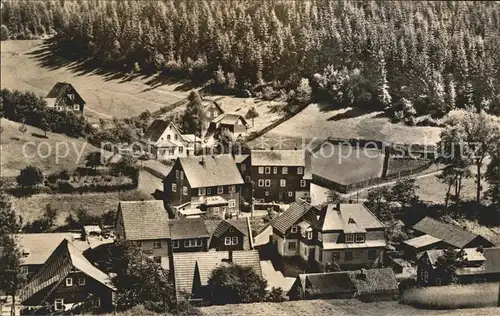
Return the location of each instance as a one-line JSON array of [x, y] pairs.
[[106, 94], [14, 159], [335, 307], [30, 208], [315, 122], [453, 296]]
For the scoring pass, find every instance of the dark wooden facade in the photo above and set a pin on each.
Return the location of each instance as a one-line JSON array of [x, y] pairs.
[[267, 183]]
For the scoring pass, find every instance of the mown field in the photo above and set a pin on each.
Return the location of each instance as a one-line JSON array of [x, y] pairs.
[[107, 95], [32, 207], [318, 122], [54, 153], [335, 307]]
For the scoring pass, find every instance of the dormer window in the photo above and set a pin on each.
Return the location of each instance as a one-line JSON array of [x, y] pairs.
[[360, 237], [349, 238], [293, 229], [310, 235]]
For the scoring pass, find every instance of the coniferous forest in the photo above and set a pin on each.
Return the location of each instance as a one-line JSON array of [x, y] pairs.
[[407, 57]]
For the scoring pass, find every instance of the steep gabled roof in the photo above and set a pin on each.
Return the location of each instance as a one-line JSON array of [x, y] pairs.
[[217, 227], [185, 265], [278, 158], [60, 263], [156, 129], [232, 119], [144, 220], [289, 217], [38, 247], [58, 91], [188, 228], [451, 234], [210, 171]]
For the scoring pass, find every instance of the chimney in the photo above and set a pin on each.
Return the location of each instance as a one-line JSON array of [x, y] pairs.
[[202, 162], [338, 206], [350, 201]]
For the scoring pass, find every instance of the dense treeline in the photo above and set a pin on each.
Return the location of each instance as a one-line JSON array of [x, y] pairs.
[[413, 58]]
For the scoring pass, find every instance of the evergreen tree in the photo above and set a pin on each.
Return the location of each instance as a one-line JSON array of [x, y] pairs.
[[194, 116]]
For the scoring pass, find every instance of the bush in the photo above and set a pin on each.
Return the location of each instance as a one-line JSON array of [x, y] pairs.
[[4, 33], [453, 296]]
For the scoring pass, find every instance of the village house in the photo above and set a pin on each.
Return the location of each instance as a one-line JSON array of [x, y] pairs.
[[64, 97], [434, 234], [146, 224], [37, 248], [192, 270], [233, 123], [67, 280], [212, 110], [196, 178], [279, 175], [346, 234], [365, 284], [243, 162], [481, 265], [165, 141]]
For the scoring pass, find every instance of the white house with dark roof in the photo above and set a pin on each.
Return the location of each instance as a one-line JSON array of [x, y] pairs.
[[347, 234], [280, 175], [195, 179], [64, 97], [165, 141]]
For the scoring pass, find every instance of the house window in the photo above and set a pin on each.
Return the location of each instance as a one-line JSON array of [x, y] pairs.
[[235, 241], [182, 174], [283, 183], [292, 245], [232, 189], [177, 174], [227, 241], [232, 203], [247, 179], [209, 191], [157, 260], [59, 108], [290, 193], [372, 254], [284, 170], [268, 182], [300, 170], [171, 151], [261, 170], [184, 190], [348, 256], [97, 302], [174, 187], [215, 210], [360, 237], [71, 96], [81, 281], [266, 193], [190, 243], [168, 137], [303, 183], [181, 149], [260, 182], [293, 229], [24, 270], [220, 190], [438, 281], [268, 170], [76, 107], [202, 191], [69, 281], [335, 256], [275, 170], [176, 137], [426, 276], [320, 236], [349, 238], [175, 244], [58, 304], [309, 235], [156, 244]]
